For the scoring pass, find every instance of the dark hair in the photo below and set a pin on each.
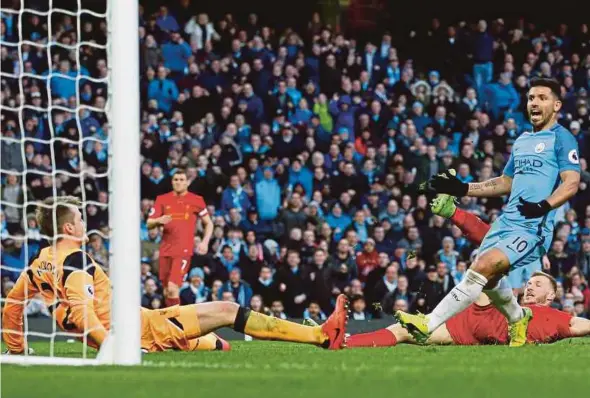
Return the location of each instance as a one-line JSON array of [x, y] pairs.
[[179, 171], [550, 83]]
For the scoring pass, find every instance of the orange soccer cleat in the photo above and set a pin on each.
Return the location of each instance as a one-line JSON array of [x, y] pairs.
[[222, 345], [335, 325]]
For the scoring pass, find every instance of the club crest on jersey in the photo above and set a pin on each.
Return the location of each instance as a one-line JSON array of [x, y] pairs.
[[540, 147], [573, 156], [89, 290]]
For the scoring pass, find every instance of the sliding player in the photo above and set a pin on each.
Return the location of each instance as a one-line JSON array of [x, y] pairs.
[[72, 283], [177, 212], [482, 324], [522, 234]]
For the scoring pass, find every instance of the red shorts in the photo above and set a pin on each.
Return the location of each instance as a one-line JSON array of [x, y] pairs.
[[174, 269]]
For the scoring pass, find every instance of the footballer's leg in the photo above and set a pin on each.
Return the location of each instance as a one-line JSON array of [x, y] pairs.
[[165, 264], [208, 342], [396, 334], [214, 315], [178, 269], [471, 225], [489, 266]]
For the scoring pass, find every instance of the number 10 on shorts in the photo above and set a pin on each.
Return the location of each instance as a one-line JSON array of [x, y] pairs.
[[518, 245]]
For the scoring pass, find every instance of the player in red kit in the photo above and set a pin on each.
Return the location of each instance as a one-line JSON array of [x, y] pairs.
[[482, 324], [178, 212]]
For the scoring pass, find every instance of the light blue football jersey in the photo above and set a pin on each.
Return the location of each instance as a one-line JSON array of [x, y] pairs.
[[535, 164]]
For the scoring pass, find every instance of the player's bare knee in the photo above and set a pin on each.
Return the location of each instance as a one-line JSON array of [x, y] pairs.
[[491, 265], [172, 290], [229, 311]]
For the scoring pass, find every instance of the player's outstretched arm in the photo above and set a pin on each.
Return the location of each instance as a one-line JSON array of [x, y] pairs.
[[579, 327], [12, 316], [448, 183], [494, 187]]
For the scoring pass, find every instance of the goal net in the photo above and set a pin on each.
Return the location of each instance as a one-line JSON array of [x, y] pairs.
[[70, 126]]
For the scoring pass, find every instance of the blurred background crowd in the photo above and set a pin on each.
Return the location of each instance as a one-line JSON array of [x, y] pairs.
[[307, 144]]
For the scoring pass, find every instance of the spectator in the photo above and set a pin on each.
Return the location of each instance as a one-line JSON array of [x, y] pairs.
[[291, 279], [358, 306], [502, 96], [163, 90], [201, 31], [196, 291], [401, 292], [445, 278], [367, 260], [386, 285], [432, 289], [314, 313], [176, 54], [277, 310], [239, 289], [234, 196], [151, 299]]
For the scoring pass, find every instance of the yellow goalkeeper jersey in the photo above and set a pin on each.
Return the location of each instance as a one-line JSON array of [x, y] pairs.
[[72, 285]]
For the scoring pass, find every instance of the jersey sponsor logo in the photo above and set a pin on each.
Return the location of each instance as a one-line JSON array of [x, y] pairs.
[[573, 156], [526, 165], [540, 147], [89, 289]]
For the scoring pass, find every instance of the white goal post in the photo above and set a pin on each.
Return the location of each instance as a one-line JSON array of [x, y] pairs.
[[122, 109]]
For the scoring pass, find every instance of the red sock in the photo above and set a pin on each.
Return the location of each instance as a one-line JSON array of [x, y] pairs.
[[378, 338], [471, 225], [172, 301]]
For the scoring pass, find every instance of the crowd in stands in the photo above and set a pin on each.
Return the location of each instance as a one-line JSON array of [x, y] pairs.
[[308, 147]]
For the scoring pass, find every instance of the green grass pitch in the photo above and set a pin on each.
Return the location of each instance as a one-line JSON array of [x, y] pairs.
[[272, 369]]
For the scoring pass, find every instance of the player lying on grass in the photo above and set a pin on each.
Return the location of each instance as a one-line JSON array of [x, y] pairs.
[[78, 292], [482, 324], [543, 173]]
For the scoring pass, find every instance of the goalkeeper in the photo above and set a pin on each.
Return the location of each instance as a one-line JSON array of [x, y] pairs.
[[78, 292]]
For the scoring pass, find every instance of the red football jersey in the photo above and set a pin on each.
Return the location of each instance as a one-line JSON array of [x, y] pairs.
[[486, 325], [178, 237]]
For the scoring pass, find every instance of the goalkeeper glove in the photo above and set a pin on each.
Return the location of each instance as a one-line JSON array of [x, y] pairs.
[[533, 209], [447, 183]]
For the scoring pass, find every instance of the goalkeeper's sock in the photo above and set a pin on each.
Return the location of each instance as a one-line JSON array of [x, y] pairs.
[[462, 295], [169, 301], [378, 338], [471, 225], [266, 327], [504, 300]]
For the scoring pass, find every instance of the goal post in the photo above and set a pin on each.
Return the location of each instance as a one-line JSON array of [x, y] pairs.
[[122, 139], [122, 19]]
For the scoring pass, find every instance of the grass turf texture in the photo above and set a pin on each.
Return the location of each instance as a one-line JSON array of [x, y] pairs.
[[272, 369]]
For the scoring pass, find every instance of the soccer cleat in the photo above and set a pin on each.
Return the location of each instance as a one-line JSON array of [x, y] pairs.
[[335, 325], [222, 345], [416, 325], [309, 322], [517, 331], [443, 205]]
